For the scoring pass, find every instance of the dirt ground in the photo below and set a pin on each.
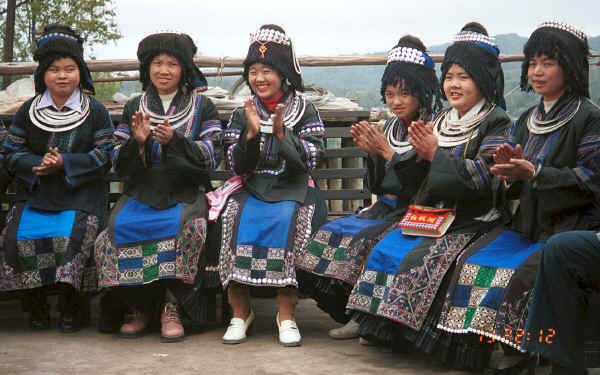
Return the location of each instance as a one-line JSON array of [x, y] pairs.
[[89, 352]]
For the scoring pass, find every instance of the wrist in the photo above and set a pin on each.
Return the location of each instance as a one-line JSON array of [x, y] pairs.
[[388, 154], [251, 134], [429, 156]]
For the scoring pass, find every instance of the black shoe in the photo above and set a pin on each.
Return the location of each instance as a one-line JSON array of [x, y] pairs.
[[69, 322], [39, 322], [40, 316], [70, 316], [111, 314]]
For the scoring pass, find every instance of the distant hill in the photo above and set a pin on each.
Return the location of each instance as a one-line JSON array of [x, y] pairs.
[[363, 82]]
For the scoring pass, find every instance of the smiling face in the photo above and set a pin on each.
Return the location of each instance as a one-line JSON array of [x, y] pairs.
[[546, 77], [165, 73], [401, 103], [265, 81], [460, 89], [62, 77]]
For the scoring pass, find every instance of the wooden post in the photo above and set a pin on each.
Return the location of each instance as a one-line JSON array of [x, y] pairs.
[[351, 183], [9, 36], [334, 183]]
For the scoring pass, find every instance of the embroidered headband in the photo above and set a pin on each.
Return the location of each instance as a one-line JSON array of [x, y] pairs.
[[410, 55], [263, 36], [579, 34], [51, 36]]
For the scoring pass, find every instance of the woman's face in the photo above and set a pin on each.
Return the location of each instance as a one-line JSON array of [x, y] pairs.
[[62, 77], [401, 103], [546, 77], [165, 73], [264, 81], [460, 89]]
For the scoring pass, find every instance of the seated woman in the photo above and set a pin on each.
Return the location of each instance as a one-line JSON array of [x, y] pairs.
[[332, 262], [398, 296], [273, 143], [553, 170], [560, 316], [168, 140], [59, 150]]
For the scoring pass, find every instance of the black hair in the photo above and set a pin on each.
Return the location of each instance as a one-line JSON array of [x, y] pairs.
[[419, 81], [277, 56], [475, 27], [179, 46], [570, 52], [51, 49], [482, 65]]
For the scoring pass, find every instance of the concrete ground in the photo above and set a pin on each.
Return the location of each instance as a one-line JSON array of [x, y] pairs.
[[89, 352]]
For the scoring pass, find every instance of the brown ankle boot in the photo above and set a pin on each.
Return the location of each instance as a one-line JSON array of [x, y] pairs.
[[171, 326], [135, 328]]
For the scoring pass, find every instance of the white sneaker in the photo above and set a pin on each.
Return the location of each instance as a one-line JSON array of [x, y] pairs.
[[236, 332], [289, 335]]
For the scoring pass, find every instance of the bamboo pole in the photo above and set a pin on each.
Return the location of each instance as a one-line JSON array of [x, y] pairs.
[[123, 65]]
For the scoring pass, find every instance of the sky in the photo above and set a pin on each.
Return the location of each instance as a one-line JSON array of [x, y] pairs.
[[334, 27]]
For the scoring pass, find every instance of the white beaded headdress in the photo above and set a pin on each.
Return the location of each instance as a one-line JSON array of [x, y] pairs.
[[579, 34], [270, 35], [409, 55], [264, 36], [470, 36], [50, 36]]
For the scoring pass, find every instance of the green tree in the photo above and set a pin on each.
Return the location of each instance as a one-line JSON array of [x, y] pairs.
[[95, 20]]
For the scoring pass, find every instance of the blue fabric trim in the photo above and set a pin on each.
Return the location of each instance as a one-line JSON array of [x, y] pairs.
[[155, 155], [389, 202], [587, 171], [484, 178], [166, 256], [53, 36], [265, 224], [389, 253], [508, 250], [540, 160], [196, 117], [349, 225], [139, 222], [428, 61], [492, 49], [131, 263], [36, 224]]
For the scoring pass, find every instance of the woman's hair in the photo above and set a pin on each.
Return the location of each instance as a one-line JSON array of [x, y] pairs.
[[419, 81], [478, 56], [475, 27], [58, 42], [570, 52], [179, 46]]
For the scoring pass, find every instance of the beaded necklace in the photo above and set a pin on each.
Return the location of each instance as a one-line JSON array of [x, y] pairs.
[[452, 133], [536, 125], [54, 121], [176, 119]]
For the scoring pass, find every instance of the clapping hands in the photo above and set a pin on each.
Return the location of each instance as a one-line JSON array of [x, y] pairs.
[[510, 165], [371, 140], [421, 137], [52, 162]]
